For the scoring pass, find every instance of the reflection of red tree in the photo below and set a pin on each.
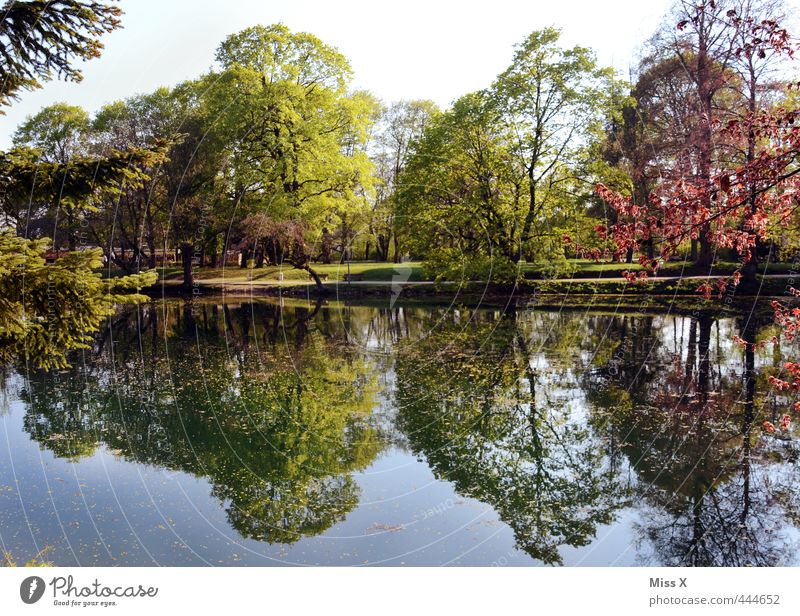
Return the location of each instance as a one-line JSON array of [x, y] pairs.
[[691, 388], [711, 491], [789, 320]]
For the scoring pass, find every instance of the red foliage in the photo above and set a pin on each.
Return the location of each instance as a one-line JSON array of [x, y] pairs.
[[737, 203]]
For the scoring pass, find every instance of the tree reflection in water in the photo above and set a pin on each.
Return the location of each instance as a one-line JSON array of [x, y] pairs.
[[714, 489], [278, 429], [558, 421], [471, 401]]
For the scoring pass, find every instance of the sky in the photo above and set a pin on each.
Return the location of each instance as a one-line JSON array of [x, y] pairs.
[[399, 49]]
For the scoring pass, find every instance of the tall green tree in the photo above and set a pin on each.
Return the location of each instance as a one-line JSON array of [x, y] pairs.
[[399, 126], [501, 176], [59, 132], [178, 206], [460, 195], [295, 134], [550, 98]]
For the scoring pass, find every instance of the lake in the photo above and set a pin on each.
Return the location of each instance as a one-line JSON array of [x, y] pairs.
[[269, 432]]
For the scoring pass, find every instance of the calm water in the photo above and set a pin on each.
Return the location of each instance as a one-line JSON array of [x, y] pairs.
[[260, 434]]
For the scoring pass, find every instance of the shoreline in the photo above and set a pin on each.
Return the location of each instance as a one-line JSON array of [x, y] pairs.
[[656, 296], [772, 286]]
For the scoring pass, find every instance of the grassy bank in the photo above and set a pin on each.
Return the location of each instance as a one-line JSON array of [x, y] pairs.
[[369, 271], [366, 270]]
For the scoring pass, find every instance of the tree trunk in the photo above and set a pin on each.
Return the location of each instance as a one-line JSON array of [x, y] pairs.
[[214, 253], [327, 243], [269, 252], [705, 257], [705, 90], [651, 253], [751, 267], [703, 344], [151, 240], [382, 247], [186, 260], [315, 276], [71, 243]]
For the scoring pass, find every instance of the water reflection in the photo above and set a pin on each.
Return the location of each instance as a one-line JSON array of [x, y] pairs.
[[277, 429], [565, 424], [506, 432], [713, 491]]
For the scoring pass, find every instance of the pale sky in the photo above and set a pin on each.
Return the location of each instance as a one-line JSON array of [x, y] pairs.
[[400, 49]]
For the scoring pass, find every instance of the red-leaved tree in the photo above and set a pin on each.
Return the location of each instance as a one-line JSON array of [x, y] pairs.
[[739, 202]]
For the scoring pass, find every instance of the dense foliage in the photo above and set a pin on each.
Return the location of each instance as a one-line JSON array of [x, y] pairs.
[[47, 310]]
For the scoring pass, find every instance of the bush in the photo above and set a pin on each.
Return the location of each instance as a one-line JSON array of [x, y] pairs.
[[453, 265]]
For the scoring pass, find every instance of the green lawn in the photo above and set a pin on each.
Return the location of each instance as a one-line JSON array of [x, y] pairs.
[[371, 271], [412, 271], [588, 267]]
